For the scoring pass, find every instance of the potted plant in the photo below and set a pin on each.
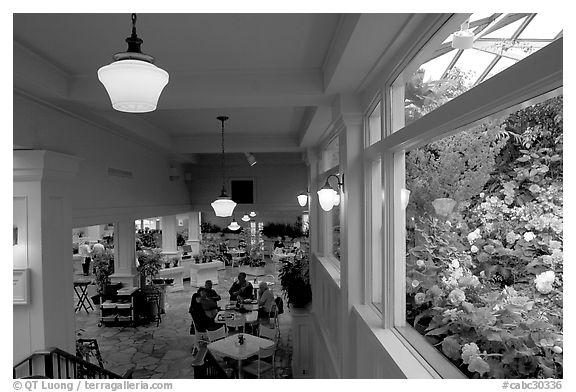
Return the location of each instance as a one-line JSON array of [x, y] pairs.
[[149, 264], [295, 280], [103, 264]]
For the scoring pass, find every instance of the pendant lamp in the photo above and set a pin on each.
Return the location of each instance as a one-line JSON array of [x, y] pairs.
[[245, 218], [223, 206], [133, 83], [252, 214], [233, 225]]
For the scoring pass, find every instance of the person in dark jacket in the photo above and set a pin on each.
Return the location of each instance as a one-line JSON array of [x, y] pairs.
[[241, 288], [202, 322]]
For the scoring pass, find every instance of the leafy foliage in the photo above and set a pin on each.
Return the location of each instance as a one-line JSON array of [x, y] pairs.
[[103, 264], [485, 284], [295, 280]]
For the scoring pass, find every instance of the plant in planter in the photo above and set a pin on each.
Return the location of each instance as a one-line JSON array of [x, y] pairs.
[[103, 264], [175, 261], [149, 264], [295, 280]]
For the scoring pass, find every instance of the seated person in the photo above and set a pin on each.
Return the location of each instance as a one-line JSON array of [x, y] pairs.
[[279, 243], [223, 248], [241, 288], [242, 245], [265, 300], [202, 322], [210, 292], [208, 304]]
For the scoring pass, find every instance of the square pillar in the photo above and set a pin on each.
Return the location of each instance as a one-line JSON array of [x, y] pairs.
[[125, 271], [43, 216], [194, 232], [169, 226]]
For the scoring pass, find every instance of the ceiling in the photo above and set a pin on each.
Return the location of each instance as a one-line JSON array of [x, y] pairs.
[[274, 75]]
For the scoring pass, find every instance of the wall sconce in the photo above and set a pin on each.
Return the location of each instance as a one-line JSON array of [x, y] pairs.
[[327, 195], [251, 158], [464, 38], [252, 214], [303, 198], [245, 218], [404, 197]]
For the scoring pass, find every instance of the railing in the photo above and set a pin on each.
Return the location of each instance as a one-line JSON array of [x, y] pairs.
[[56, 363]]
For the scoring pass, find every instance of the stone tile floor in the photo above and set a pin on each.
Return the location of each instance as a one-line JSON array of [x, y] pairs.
[[165, 351]]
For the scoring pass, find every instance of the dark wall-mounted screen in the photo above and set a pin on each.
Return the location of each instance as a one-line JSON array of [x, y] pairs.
[[242, 191]]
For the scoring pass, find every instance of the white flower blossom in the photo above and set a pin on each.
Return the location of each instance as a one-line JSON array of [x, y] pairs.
[[473, 236], [455, 264], [474, 249], [420, 263], [415, 283], [544, 281], [456, 296], [420, 298], [529, 236]]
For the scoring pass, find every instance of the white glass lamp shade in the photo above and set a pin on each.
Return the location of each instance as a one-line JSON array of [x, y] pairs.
[[463, 39], [326, 198], [245, 218], [134, 86], [302, 199], [336, 199], [252, 214], [404, 197], [223, 206], [234, 226]]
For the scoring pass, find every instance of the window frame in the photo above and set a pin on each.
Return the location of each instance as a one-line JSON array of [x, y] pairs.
[[535, 77]]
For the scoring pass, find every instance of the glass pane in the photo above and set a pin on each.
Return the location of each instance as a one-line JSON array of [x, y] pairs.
[[427, 89], [500, 66], [542, 26], [335, 231], [375, 244], [375, 125], [484, 240], [507, 31], [331, 154]]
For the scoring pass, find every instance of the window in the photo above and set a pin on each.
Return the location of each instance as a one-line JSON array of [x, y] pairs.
[[331, 154], [374, 230], [374, 128], [473, 293], [484, 243], [500, 41]]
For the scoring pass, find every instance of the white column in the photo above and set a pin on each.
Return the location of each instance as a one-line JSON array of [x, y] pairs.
[[169, 225], [125, 271], [194, 231], [43, 215], [351, 225]]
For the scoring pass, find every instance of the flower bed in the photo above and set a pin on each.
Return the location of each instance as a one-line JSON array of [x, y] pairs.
[[485, 284]]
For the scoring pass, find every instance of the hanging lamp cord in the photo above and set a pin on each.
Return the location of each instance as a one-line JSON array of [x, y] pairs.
[[222, 119]]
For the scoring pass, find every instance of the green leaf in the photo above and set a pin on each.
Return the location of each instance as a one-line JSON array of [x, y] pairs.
[[438, 331], [478, 365], [451, 347]]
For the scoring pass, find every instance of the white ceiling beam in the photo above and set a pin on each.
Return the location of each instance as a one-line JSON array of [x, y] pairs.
[[314, 126], [210, 143], [222, 89]]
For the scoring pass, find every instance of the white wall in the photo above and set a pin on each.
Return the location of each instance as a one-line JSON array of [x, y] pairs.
[[278, 179], [98, 197], [93, 197]]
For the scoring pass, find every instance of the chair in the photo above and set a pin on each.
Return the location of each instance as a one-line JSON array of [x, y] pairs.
[[268, 333], [237, 322], [260, 366], [198, 337], [217, 334]]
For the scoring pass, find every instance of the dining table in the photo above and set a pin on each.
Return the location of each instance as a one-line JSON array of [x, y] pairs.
[[230, 347]]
